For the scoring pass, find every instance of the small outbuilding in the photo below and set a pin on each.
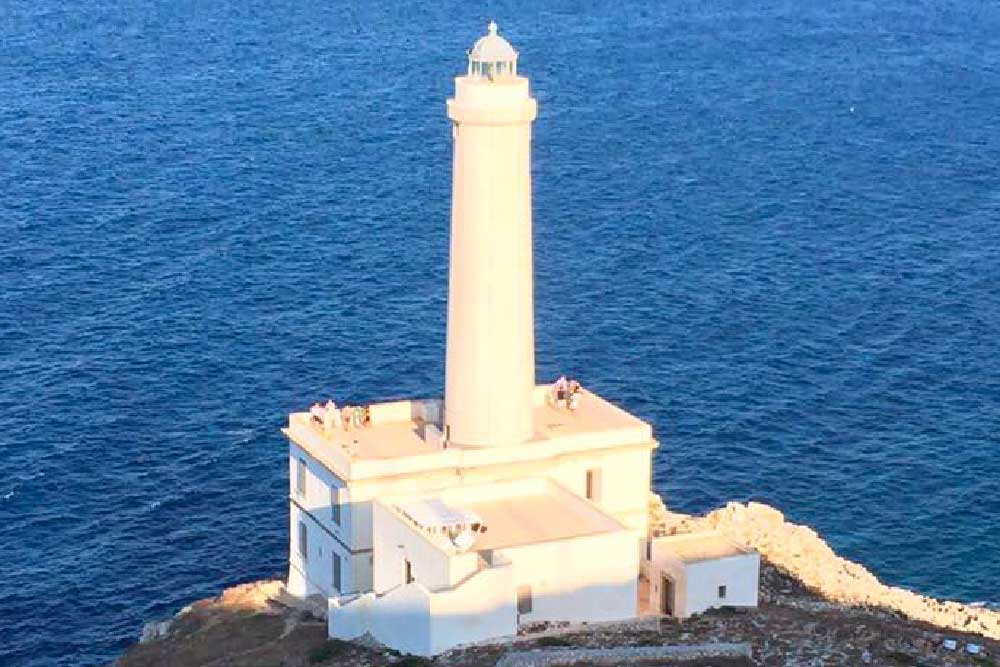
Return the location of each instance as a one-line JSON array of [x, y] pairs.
[[693, 572]]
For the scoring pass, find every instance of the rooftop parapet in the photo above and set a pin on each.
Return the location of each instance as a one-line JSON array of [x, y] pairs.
[[404, 436]]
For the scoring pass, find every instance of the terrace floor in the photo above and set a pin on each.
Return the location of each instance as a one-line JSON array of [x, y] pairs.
[[401, 434]]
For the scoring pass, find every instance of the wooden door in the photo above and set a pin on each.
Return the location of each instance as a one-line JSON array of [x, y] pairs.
[[667, 596]]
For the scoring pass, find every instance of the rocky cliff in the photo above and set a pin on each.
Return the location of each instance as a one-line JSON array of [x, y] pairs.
[[816, 610], [803, 554]]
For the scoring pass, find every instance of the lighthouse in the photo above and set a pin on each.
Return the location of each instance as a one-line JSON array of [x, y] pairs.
[[490, 364], [433, 522]]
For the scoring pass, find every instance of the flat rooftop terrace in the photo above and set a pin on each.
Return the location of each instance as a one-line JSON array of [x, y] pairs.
[[538, 517], [515, 513], [405, 436], [697, 547]]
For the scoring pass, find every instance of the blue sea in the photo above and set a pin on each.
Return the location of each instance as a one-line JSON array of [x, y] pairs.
[[770, 229]]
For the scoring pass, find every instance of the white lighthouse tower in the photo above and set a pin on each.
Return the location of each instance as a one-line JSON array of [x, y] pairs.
[[490, 363], [431, 523]]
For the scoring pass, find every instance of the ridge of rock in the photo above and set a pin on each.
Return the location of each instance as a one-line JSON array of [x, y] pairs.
[[803, 554]]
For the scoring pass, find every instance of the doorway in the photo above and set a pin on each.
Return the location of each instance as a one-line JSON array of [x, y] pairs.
[[666, 595]]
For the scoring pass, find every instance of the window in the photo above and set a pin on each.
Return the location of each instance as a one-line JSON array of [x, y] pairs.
[[300, 478], [524, 599], [722, 592], [303, 540], [335, 505], [649, 549], [336, 571], [594, 485], [407, 572]]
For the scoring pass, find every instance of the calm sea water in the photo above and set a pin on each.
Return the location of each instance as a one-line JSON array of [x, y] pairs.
[[771, 231]]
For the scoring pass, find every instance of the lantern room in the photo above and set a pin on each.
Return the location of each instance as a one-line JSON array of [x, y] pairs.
[[492, 56]]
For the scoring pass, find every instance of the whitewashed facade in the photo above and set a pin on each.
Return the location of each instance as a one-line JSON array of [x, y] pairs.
[[554, 570], [433, 523], [324, 554], [692, 573]]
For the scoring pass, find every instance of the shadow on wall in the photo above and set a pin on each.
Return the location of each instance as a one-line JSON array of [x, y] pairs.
[[412, 619], [321, 562]]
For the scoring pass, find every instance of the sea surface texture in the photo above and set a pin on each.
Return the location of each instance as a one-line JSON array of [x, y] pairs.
[[770, 229]]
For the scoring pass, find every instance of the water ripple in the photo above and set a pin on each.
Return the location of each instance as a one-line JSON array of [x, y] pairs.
[[771, 232]]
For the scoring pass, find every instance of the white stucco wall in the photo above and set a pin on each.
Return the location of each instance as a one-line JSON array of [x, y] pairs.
[[313, 575], [625, 478], [317, 499], [625, 475], [490, 361], [414, 620], [396, 540], [696, 584], [481, 607], [590, 578], [583, 579], [674, 569], [399, 619], [739, 574], [326, 534]]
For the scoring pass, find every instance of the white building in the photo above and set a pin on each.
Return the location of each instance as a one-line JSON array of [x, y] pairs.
[[547, 554], [432, 523], [694, 572]]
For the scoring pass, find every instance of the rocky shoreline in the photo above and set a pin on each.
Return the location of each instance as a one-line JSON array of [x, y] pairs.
[[816, 609], [803, 554]]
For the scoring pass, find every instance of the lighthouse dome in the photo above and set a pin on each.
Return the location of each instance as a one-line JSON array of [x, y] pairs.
[[492, 56]]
